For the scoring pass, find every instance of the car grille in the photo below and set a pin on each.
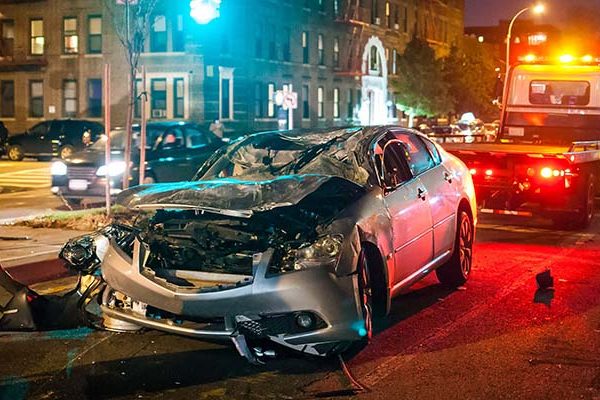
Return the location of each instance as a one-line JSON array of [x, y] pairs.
[[87, 173]]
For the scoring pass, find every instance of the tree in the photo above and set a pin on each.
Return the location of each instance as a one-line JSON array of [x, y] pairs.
[[421, 89], [131, 23], [470, 73]]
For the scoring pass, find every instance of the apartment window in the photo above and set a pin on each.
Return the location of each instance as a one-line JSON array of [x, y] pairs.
[[321, 48], [178, 34], [36, 33], [320, 102], [305, 102], [336, 8], [7, 105], [271, 100], [285, 47], [405, 21], [94, 34], [336, 52], [70, 37], [374, 59], [226, 93], [350, 104], [388, 14], [259, 100], [94, 92], [258, 40], [36, 99], [158, 35], [305, 49], [139, 89], [396, 17], [394, 62], [70, 98], [8, 38], [178, 98], [336, 103], [272, 45], [158, 98], [374, 12], [322, 5]]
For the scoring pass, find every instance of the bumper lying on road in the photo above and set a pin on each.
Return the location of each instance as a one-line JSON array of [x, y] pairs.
[[268, 307]]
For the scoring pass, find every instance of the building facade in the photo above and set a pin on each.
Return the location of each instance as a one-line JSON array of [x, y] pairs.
[[339, 56]]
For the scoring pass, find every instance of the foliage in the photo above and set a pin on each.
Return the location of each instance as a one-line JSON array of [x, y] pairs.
[[470, 73], [421, 88], [131, 23]]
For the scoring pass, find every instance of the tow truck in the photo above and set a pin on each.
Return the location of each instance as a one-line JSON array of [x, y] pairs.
[[545, 159]]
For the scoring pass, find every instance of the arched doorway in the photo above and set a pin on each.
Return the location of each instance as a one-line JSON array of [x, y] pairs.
[[374, 90]]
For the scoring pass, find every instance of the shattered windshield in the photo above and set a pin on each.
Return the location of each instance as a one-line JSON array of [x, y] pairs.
[[269, 155]]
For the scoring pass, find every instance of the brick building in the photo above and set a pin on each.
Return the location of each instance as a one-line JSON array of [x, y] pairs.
[[338, 55]]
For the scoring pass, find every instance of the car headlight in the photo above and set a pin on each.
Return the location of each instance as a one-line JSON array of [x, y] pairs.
[[58, 168], [115, 168], [325, 251]]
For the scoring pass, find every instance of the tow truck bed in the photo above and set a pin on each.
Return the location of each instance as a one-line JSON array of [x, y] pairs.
[[506, 148]]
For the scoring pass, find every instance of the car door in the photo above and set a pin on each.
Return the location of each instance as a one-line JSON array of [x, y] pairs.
[[406, 201], [170, 158], [36, 141], [443, 199], [199, 146]]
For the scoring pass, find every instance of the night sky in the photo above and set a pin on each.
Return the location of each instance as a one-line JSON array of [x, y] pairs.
[[488, 12]]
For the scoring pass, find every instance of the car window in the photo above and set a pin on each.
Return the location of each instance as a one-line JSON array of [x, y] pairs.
[[418, 158], [171, 139], [437, 158], [394, 167], [194, 138], [39, 129]]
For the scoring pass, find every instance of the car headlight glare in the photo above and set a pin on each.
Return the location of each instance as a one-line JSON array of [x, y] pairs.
[[115, 168], [324, 251], [58, 168]]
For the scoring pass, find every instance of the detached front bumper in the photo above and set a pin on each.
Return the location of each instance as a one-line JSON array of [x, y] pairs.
[[266, 307]]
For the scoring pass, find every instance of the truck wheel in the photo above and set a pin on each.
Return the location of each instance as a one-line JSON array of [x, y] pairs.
[[585, 215], [456, 271], [582, 218], [15, 153]]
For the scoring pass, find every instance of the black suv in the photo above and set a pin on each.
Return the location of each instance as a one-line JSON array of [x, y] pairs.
[[54, 138]]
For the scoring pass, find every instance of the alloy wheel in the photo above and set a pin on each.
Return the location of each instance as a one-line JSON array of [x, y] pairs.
[[366, 296], [465, 244]]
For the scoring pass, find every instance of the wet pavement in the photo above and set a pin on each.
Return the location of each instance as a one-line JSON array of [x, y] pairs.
[[498, 337]]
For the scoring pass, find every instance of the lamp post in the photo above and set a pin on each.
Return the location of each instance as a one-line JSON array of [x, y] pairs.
[[537, 9], [204, 11]]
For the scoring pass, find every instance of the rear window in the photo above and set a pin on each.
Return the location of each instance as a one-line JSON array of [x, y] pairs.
[[559, 93]]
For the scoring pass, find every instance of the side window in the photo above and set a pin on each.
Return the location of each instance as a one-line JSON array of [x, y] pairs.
[[437, 158], [172, 139], [39, 129], [416, 154], [394, 167], [194, 138]]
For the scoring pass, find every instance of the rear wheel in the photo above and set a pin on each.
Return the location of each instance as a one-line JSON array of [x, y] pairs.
[[456, 271], [66, 152], [15, 153], [583, 217]]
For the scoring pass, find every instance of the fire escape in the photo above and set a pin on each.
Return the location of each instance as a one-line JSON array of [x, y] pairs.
[[352, 16]]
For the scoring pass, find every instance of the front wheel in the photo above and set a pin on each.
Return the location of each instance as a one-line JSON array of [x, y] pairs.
[[457, 270], [365, 292], [15, 153]]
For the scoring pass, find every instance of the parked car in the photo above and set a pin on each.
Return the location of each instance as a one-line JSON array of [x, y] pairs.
[[300, 238], [174, 152], [3, 138], [54, 138]]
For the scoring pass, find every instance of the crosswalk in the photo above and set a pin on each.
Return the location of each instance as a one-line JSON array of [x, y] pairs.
[[30, 178]]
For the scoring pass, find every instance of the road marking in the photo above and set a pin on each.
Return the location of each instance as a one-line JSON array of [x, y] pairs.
[[27, 178]]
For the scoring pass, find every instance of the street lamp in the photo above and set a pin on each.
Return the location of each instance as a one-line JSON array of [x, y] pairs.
[[537, 9], [204, 11]]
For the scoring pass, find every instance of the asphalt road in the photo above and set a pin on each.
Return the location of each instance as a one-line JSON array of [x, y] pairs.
[[496, 338]]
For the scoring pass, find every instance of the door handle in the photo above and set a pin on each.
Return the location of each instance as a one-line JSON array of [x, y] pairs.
[[447, 176], [422, 193]]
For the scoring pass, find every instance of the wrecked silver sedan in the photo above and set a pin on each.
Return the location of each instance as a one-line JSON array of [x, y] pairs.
[[301, 238]]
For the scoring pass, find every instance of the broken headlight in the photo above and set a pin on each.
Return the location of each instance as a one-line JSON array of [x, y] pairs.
[[325, 251]]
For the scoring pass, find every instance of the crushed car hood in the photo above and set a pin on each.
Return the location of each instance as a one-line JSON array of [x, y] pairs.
[[231, 196]]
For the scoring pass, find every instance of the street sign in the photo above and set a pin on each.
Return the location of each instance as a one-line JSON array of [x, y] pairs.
[[290, 100]]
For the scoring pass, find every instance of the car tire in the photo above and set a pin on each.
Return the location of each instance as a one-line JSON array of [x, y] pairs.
[[66, 152], [15, 153], [582, 219], [456, 271]]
